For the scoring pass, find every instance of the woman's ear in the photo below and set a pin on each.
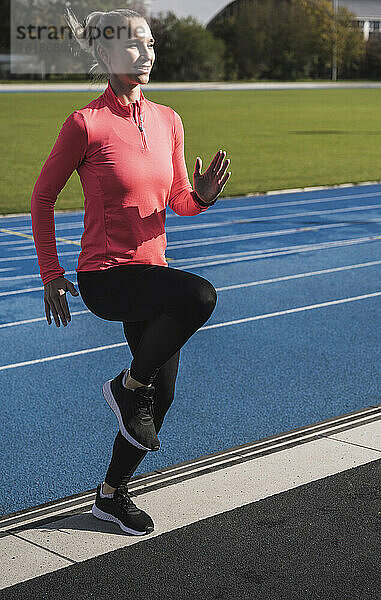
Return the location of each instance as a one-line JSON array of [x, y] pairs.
[[103, 53]]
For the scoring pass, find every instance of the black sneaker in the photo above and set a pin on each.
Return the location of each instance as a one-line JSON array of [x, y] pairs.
[[121, 510], [133, 409]]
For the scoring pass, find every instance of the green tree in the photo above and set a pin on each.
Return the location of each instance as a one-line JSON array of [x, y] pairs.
[[351, 44], [287, 39], [370, 66], [4, 26], [185, 50]]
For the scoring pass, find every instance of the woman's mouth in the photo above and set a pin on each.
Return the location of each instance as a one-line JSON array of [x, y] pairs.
[[143, 69]]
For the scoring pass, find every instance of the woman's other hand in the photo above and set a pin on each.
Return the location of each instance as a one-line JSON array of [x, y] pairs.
[[211, 183], [55, 299]]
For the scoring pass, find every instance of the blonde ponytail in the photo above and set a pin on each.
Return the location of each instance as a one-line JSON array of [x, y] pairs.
[[84, 34]]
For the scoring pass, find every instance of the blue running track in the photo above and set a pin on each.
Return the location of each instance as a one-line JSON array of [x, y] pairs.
[[295, 338]]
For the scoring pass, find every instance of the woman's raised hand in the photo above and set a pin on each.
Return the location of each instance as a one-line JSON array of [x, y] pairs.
[[55, 299], [211, 183]]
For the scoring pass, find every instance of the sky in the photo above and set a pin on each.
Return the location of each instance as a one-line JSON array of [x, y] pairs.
[[202, 10]]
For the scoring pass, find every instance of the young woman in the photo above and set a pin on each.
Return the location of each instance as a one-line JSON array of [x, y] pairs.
[[129, 154]]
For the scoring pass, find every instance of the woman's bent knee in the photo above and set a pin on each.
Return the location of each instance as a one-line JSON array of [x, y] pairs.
[[207, 298]]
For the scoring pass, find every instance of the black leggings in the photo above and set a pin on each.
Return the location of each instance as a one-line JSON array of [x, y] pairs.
[[161, 308]]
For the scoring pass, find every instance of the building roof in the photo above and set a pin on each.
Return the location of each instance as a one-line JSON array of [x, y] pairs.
[[363, 8]]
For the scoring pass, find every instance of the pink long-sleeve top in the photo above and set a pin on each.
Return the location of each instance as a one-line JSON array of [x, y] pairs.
[[130, 160]]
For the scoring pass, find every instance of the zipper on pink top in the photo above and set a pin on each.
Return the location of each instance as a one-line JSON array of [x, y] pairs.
[[142, 130]]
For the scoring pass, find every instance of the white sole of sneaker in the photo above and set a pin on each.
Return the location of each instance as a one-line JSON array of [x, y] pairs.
[[99, 514], [107, 393]]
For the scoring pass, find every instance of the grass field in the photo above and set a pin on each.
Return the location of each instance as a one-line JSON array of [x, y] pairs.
[[275, 139]]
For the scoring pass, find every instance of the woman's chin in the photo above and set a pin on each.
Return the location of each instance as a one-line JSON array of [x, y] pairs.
[[137, 77], [141, 78], [142, 75]]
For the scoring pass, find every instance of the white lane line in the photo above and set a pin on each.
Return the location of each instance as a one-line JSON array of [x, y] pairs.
[[75, 224], [297, 276], [240, 256], [36, 319], [223, 239], [204, 241], [31, 237], [263, 234], [271, 218], [48, 358], [291, 310], [228, 287], [30, 256], [230, 257], [204, 328], [227, 238], [291, 203], [24, 244], [223, 223], [31, 276]]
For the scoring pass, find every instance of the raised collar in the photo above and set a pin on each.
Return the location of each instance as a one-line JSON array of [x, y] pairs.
[[125, 110]]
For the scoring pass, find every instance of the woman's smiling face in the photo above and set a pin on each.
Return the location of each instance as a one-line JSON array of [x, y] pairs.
[[130, 53]]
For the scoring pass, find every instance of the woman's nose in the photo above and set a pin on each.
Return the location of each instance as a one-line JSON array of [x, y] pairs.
[[146, 53]]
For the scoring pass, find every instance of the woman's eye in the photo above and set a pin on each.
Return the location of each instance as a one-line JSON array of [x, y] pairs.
[[135, 46]]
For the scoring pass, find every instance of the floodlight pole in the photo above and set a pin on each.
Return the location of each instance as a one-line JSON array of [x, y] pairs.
[[334, 52]]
